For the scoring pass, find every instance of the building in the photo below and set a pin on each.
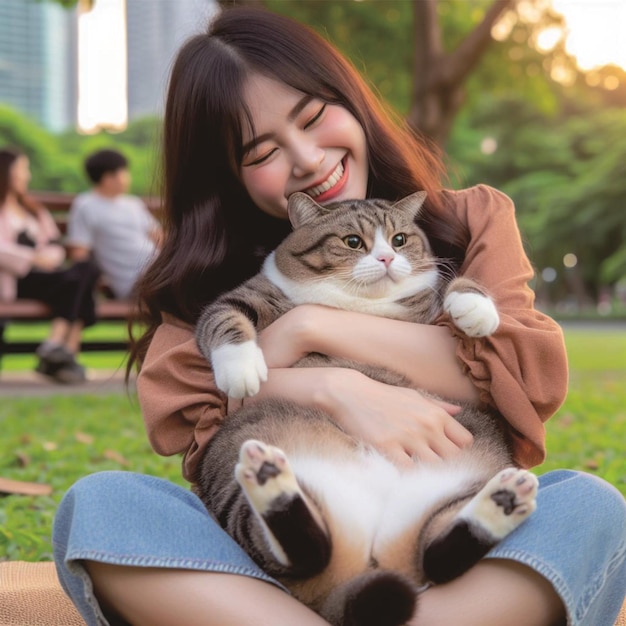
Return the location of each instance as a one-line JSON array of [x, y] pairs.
[[38, 61], [156, 29], [39, 55]]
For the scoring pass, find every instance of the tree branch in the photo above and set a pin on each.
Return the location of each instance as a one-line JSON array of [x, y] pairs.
[[463, 60]]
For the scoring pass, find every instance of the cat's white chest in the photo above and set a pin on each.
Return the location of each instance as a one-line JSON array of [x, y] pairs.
[[333, 293]]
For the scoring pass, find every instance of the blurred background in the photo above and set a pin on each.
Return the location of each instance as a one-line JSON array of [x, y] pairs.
[[528, 96]]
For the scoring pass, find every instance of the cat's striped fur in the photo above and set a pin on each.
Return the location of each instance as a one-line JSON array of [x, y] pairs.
[[337, 523]]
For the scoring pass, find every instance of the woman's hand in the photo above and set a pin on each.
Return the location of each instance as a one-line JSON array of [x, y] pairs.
[[49, 258], [402, 423]]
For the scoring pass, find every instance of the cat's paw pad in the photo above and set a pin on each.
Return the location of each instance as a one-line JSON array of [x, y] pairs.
[[239, 369], [264, 474], [504, 502], [476, 315]]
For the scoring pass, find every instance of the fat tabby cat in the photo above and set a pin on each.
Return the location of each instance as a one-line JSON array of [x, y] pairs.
[[349, 533]]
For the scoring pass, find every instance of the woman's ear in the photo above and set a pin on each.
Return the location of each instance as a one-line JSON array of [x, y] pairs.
[[302, 209]]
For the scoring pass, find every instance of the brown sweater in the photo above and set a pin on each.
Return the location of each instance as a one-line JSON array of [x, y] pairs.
[[521, 369]]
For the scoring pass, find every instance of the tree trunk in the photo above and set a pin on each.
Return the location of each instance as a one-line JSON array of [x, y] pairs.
[[439, 77]]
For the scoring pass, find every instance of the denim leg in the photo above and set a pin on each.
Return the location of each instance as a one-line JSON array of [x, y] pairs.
[[125, 518], [577, 540]]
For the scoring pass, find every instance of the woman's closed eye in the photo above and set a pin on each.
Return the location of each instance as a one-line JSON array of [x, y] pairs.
[[260, 153], [260, 159], [316, 117]]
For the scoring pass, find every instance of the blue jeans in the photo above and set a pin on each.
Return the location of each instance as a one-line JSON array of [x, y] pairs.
[[576, 539]]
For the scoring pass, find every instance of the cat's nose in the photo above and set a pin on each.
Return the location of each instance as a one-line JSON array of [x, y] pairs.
[[386, 258]]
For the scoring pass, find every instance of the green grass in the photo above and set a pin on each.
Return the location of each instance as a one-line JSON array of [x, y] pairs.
[[58, 439]]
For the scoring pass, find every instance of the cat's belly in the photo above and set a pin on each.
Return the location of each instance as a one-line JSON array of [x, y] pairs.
[[371, 503]]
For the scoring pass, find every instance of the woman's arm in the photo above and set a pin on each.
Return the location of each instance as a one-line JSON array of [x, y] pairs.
[[181, 407], [425, 354], [401, 423]]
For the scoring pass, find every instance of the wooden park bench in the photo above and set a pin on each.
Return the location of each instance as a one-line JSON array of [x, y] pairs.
[[28, 311]]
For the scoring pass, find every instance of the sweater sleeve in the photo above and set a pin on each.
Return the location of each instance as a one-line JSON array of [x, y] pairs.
[[182, 408], [522, 368]]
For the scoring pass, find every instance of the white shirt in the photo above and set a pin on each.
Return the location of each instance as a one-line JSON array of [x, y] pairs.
[[118, 232]]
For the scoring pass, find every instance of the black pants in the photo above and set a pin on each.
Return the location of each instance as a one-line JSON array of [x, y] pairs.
[[68, 292]]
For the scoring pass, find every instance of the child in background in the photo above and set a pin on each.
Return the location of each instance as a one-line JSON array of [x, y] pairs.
[[116, 228]]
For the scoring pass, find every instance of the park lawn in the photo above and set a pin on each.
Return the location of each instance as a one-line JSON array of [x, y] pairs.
[[58, 439]]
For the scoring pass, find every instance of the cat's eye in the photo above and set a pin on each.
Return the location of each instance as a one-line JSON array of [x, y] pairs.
[[353, 241], [397, 241]]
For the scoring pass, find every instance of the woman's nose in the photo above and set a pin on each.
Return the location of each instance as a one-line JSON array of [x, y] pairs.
[[307, 159]]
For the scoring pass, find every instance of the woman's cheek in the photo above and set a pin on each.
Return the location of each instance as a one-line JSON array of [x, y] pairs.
[[267, 186]]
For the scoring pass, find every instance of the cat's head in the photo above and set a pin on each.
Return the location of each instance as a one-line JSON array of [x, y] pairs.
[[370, 248]]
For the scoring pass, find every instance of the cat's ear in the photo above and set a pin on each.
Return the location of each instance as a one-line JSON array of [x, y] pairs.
[[412, 204], [302, 209]]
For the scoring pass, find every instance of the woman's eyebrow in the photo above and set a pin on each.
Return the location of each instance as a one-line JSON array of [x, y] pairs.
[[291, 116]]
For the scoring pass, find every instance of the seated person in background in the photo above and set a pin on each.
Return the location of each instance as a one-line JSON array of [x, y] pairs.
[[32, 265], [117, 229]]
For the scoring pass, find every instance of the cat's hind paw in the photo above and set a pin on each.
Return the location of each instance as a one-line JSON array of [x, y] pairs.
[[473, 313], [239, 368], [503, 503], [264, 474]]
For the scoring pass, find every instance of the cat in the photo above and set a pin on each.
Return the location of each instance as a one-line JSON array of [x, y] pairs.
[[347, 532]]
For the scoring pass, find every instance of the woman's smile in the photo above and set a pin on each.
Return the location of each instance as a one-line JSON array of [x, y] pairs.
[[331, 187]]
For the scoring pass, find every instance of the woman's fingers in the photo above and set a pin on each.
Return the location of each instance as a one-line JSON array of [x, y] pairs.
[[458, 434], [448, 407]]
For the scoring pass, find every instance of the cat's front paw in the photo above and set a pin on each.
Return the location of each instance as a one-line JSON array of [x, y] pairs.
[[504, 502], [239, 369], [476, 315]]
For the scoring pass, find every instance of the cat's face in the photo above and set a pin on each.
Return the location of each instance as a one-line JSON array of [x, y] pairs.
[[369, 248]]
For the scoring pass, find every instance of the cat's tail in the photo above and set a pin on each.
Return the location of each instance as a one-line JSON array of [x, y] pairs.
[[375, 598]]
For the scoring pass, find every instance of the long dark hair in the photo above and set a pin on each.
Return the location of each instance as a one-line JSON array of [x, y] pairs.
[[215, 237], [7, 158]]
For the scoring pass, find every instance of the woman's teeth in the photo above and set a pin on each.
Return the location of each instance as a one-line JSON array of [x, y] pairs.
[[329, 183]]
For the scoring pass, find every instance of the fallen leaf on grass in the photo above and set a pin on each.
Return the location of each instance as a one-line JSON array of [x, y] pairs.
[[49, 446], [23, 460], [113, 455], [84, 438]]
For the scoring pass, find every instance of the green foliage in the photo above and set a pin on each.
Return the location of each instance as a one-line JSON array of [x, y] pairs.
[[566, 173], [57, 160], [376, 35], [58, 439]]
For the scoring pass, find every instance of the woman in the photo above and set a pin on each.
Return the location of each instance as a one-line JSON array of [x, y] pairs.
[[32, 266], [257, 109]]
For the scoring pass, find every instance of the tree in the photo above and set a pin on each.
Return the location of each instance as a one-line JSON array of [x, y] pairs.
[[439, 76]]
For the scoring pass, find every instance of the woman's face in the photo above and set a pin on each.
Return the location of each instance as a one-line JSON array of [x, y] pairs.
[[19, 175], [301, 144]]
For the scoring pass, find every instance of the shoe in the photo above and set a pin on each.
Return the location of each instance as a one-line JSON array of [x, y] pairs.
[[53, 353], [68, 372], [71, 373]]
